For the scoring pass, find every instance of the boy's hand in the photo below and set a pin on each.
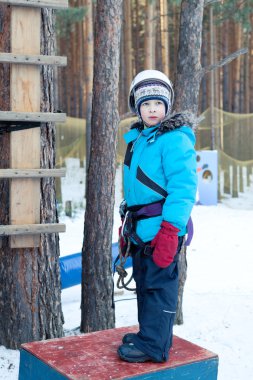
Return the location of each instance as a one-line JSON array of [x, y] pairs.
[[165, 245]]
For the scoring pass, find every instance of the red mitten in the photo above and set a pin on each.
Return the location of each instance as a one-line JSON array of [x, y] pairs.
[[165, 245]]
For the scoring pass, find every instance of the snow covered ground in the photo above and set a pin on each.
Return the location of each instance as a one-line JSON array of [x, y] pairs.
[[218, 298]]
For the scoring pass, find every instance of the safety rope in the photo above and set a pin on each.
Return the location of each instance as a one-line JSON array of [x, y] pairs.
[[120, 268]]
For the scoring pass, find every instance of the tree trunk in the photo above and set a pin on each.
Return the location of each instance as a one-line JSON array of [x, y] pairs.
[[188, 78], [30, 288], [226, 67], [123, 106], [89, 75], [165, 36], [136, 31], [182, 274], [158, 38], [175, 23], [97, 284], [234, 182], [251, 65], [127, 40], [5, 13], [247, 78], [149, 36], [204, 89], [212, 82], [236, 68]]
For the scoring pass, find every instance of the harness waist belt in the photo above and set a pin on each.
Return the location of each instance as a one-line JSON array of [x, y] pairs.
[[146, 211], [139, 212]]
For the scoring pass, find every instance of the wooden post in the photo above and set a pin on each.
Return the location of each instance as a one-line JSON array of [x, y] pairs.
[[219, 182], [234, 182], [25, 115], [241, 184], [25, 145], [227, 181], [68, 208], [248, 175]]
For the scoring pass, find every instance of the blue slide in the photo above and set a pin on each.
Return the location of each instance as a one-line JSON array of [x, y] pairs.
[[71, 267]]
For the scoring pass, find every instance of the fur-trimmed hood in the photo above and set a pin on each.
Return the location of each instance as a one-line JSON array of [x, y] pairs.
[[173, 121]]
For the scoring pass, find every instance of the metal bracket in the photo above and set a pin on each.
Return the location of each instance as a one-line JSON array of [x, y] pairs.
[[12, 126]]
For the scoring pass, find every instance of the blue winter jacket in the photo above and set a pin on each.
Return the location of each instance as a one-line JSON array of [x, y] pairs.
[[161, 166]]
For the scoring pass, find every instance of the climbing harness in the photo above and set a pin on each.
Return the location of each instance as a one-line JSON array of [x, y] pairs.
[[131, 215], [122, 273]]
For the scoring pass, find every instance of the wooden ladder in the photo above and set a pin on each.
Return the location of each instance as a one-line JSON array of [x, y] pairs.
[[24, 122]]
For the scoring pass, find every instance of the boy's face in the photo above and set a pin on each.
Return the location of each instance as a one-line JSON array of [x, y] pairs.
[[152, 112]]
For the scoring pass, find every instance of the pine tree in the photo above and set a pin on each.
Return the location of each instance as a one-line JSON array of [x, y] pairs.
[[97, 284]]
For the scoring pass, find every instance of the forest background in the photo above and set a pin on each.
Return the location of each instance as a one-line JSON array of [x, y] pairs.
[[149, 39]]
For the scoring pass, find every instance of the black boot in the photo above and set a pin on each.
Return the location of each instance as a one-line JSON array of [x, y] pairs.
[[128, 338], [131, 354]]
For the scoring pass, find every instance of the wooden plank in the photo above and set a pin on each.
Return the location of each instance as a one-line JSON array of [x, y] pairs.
[[31, 229], [32, 368], [35, 368], [56, 4], [25, 145], [41, 117], [32, 173], [94, 356], [33, 59]]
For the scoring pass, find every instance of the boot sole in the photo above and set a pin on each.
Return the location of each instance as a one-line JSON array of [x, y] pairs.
[[142, 359]]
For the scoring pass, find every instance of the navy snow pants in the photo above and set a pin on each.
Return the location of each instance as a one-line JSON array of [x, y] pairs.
[[157, 293]]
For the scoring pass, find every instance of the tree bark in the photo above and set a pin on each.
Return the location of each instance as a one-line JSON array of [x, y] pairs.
[[149, 43], [251, 65], [204, 85], [188, 79], [182, 275], [89, 75], [97, 305], [30, 288], [189, 71], [136, 32], [236, 69], [165, 36], [5, 13], [226, 68], [127, 48], [158, 38]]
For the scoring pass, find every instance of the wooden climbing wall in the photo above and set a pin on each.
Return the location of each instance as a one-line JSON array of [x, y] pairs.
[[24, 120]]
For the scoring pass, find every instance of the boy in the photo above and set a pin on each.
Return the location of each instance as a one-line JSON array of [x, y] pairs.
[[159, 187]]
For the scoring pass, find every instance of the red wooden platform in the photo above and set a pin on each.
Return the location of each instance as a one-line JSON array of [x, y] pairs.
[[94, 356]]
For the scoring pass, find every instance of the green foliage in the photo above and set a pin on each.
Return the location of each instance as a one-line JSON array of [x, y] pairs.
[[236, 10], [66, 19]]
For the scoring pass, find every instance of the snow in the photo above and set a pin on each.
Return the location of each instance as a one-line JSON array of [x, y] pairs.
[[218, 297]]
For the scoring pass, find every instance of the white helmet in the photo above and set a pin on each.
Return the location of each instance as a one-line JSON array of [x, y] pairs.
[[149, 76]]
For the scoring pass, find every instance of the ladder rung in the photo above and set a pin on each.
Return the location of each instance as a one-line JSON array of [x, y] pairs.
[[31, 229], [55, 4], [33, 59], [39, 117], [32, 173]]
